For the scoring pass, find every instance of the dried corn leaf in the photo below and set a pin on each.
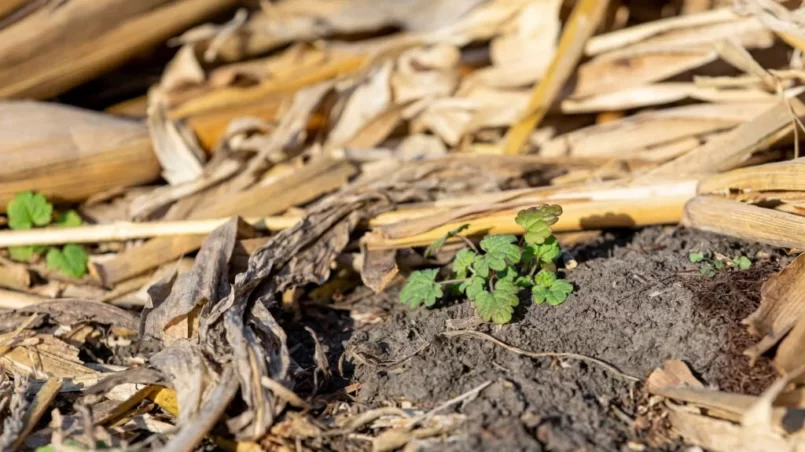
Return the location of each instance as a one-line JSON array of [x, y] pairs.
[[731, 149], [177, 317], [53, 49], [660, 93], [781, 308], [728, 217], [718, 435], [639, 33], [778, 176], [368, 98], [601, 76], [630, 135], [68, 154], [176, 148]]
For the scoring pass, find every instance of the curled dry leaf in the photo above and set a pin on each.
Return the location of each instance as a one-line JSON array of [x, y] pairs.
[[174, 145]]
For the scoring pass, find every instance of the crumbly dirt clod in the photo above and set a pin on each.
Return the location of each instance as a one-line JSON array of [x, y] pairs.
[[638, 302]]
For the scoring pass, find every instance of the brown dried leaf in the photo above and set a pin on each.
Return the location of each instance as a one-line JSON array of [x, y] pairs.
[[174, 319], [379, 268], [672, 374], [176, 148]]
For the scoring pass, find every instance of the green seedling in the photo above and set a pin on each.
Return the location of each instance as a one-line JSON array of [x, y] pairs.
[[28, 210], [493, 275], [710, 265]]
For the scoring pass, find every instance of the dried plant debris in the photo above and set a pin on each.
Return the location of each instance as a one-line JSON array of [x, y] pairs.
[[212, 260]]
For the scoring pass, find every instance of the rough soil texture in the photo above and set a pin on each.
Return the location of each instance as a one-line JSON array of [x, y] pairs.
[[638, 302]]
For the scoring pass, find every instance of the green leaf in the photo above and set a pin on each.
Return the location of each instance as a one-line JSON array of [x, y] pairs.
[[508, 273], [473, 286], [545, 279], [537, 222], [69, 219], [501, 251], [506, 292], [549, 288], [437, 244], [558, 292], [72, 260], [490, 309], [707, 270], [742, 262], [463, 262], [25, 253], [695, 257], [539, 294], [481, 266], [523, 281], [548, 251], [718, 264], [421, 287], [28, 209]]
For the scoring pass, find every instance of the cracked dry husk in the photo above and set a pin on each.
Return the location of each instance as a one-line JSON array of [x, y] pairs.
[[644, 304]]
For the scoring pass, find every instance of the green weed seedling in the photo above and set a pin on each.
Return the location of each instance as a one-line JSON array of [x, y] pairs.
[[28, 210], [493, 276], [709, 264]]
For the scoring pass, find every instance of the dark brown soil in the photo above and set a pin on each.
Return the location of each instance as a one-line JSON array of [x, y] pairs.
[[638, 302]]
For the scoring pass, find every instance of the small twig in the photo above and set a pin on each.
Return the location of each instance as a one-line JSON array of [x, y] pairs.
[[355, 423], [468, 242], [469, 394], [519, 351]]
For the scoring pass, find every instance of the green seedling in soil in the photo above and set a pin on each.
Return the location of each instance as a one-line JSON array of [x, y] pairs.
[[28, 210], [493, 275], [710, 265]]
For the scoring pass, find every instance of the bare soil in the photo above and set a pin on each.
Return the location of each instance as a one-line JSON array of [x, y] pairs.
[[638, 302]]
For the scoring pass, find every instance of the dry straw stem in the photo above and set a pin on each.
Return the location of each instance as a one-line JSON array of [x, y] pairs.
[[126, 231], [411, 220], [745, 221], [778, 176], [730, 150], [301, 186], [635, 34], [10, 299], [44, 397], [578, 215], [53, 49], [233, 97], [581, 25], [69, 154]]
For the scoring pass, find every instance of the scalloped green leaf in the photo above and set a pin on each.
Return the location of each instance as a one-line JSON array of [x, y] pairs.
[[501, 251], [463, 262], [69, 219], [537, 222], [506, 292], [481, 266], [28, 209], [544, 279], [71, 260], [420, 288], [473, 286], [492, 310]]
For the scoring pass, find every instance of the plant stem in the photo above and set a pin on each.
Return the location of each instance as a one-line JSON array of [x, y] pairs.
[[468, 242], [453, 281]]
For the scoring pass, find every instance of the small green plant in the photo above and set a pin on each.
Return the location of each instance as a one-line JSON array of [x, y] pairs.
[[493, 276], [28, 210], [710, 264]]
